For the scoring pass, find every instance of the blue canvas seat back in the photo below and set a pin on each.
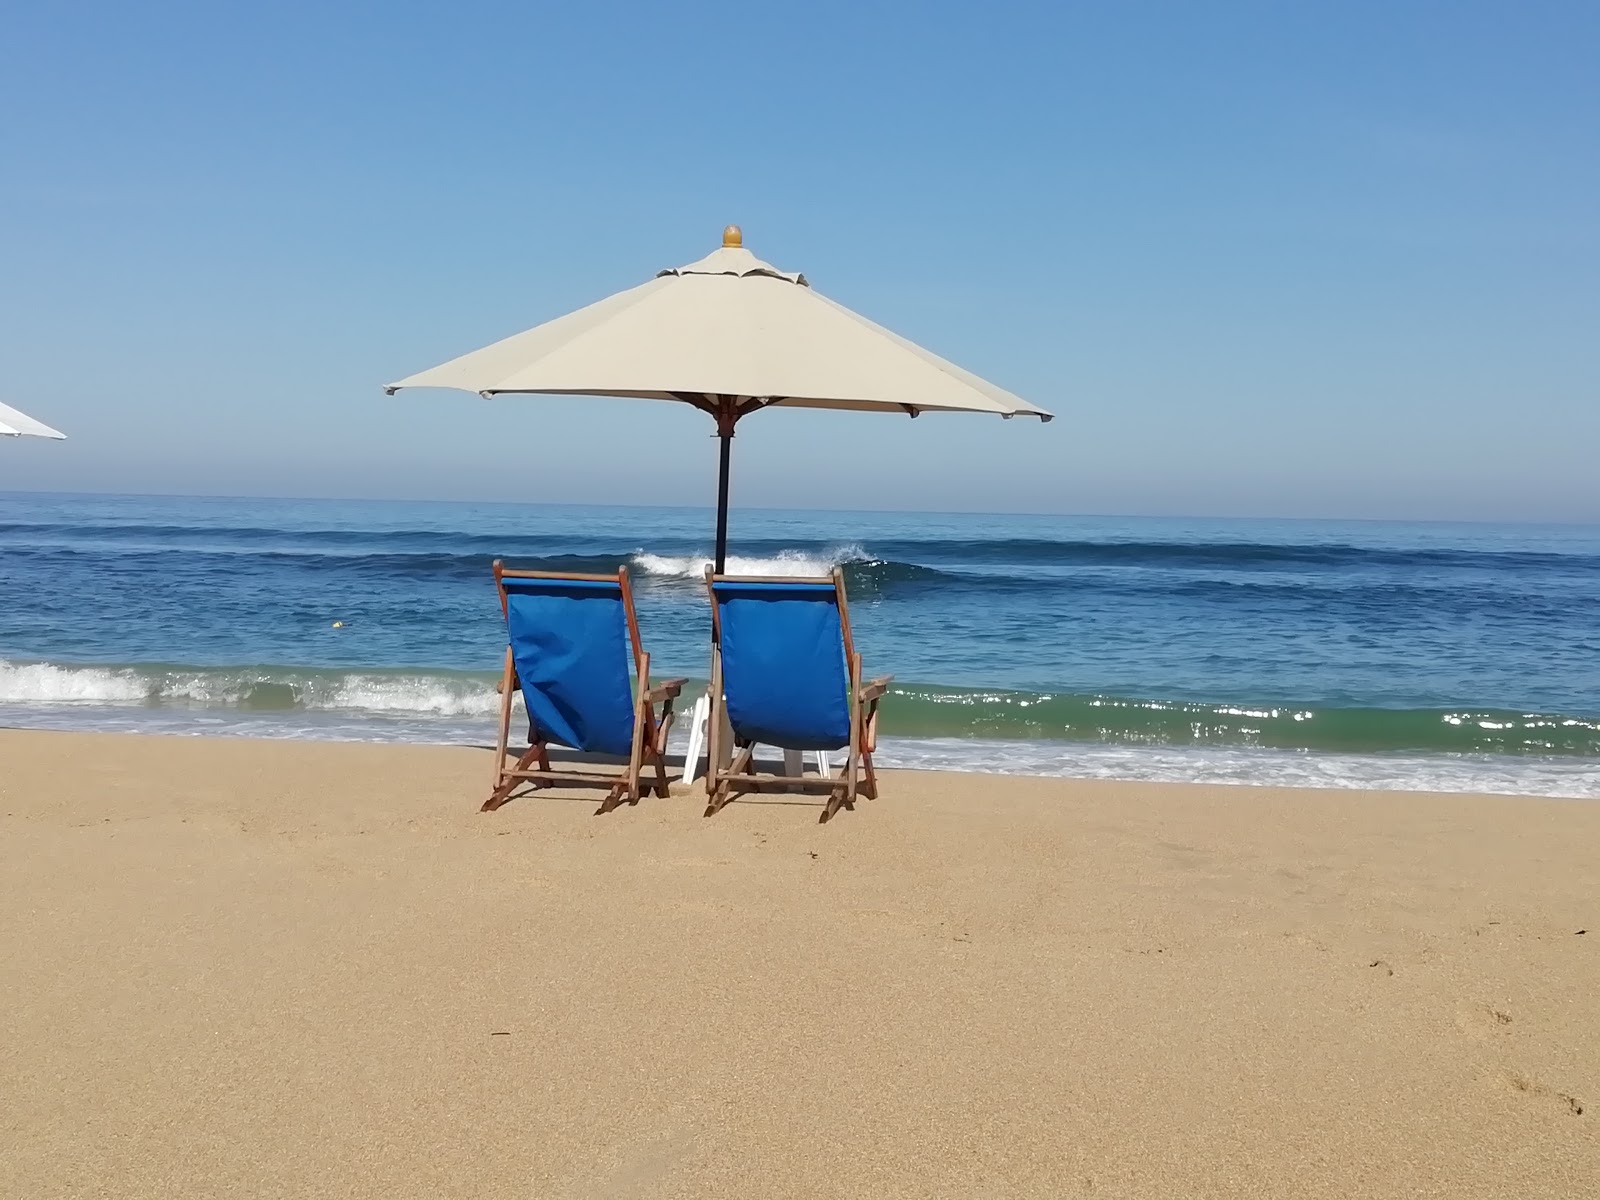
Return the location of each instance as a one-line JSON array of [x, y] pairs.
[[569, 644], [783, 669]]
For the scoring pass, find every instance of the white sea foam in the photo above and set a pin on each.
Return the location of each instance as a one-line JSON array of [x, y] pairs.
[[1504, 774], [785, 562], [50, 684], [420, 694]]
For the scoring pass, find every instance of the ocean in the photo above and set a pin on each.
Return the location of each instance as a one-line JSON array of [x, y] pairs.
[[1456, 657]]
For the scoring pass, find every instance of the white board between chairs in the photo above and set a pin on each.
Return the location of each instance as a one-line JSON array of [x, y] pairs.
[[699, 727]]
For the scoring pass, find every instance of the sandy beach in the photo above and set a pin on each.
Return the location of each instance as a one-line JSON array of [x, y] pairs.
[[240, 968]]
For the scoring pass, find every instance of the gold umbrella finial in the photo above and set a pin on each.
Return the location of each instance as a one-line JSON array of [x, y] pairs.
[[732, 236]]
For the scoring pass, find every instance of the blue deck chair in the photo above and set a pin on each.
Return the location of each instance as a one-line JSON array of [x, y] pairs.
[[789, 676], [568, 654]]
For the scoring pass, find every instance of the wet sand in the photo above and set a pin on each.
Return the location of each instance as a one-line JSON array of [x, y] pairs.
[[233, 968]]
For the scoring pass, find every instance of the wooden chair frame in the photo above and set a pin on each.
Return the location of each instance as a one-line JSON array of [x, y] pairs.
[[858, 777], [650, 725]]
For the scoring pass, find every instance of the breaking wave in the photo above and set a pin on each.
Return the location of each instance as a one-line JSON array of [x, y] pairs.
[[785, 562], [861, 571], [259, 689]]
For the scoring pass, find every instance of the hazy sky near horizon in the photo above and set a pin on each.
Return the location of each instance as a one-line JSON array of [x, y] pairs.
[[1261, 259]]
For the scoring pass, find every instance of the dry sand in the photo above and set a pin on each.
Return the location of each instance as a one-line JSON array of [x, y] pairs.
[[272, 969]]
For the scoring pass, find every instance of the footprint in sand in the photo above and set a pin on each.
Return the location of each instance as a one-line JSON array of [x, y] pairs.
[[644, 1165], [1483, 1020], [1521, 1083]]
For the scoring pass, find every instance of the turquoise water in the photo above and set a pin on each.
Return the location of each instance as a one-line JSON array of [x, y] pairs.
[[1437, 655]]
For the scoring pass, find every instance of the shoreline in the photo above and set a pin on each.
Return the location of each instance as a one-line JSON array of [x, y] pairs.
[[36, 738], [1563, 777]]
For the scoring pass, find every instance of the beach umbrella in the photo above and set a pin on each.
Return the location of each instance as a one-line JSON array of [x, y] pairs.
[[731, 336], [19, 424]]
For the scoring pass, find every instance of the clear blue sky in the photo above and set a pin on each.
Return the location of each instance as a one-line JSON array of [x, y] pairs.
[[1261, 258]]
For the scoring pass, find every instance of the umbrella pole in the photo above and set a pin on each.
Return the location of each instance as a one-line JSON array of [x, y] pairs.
[[725, 424], [716, 715]]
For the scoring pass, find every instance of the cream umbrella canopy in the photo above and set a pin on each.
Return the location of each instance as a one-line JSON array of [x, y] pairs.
[[730, 335], [20, 424]]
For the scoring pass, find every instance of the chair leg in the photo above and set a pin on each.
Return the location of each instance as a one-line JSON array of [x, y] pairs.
[[713, 771], [642, 723], [869, 744], [507, 686], [835, 801], [499, 796], [663, 732], [843, 794], [713, 751], [506, 781], [723, 791], [714, 723], [848, 785], [663, 786], [717, 791], [613, 798]]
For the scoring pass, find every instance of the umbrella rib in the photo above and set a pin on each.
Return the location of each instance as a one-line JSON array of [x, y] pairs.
[[720, 406], [750, 405], [703, 403]]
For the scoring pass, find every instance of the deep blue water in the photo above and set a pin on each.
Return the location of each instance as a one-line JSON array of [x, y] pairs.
[[1430, 654]]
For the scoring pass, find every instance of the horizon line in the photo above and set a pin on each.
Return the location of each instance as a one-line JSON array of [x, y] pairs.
[[770, 508]]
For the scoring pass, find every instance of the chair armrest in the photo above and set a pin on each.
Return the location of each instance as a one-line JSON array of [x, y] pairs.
[[875, 689], [667, 689]]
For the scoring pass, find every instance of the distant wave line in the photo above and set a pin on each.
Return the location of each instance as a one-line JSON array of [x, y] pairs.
[[934, 551], [472, 565]]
